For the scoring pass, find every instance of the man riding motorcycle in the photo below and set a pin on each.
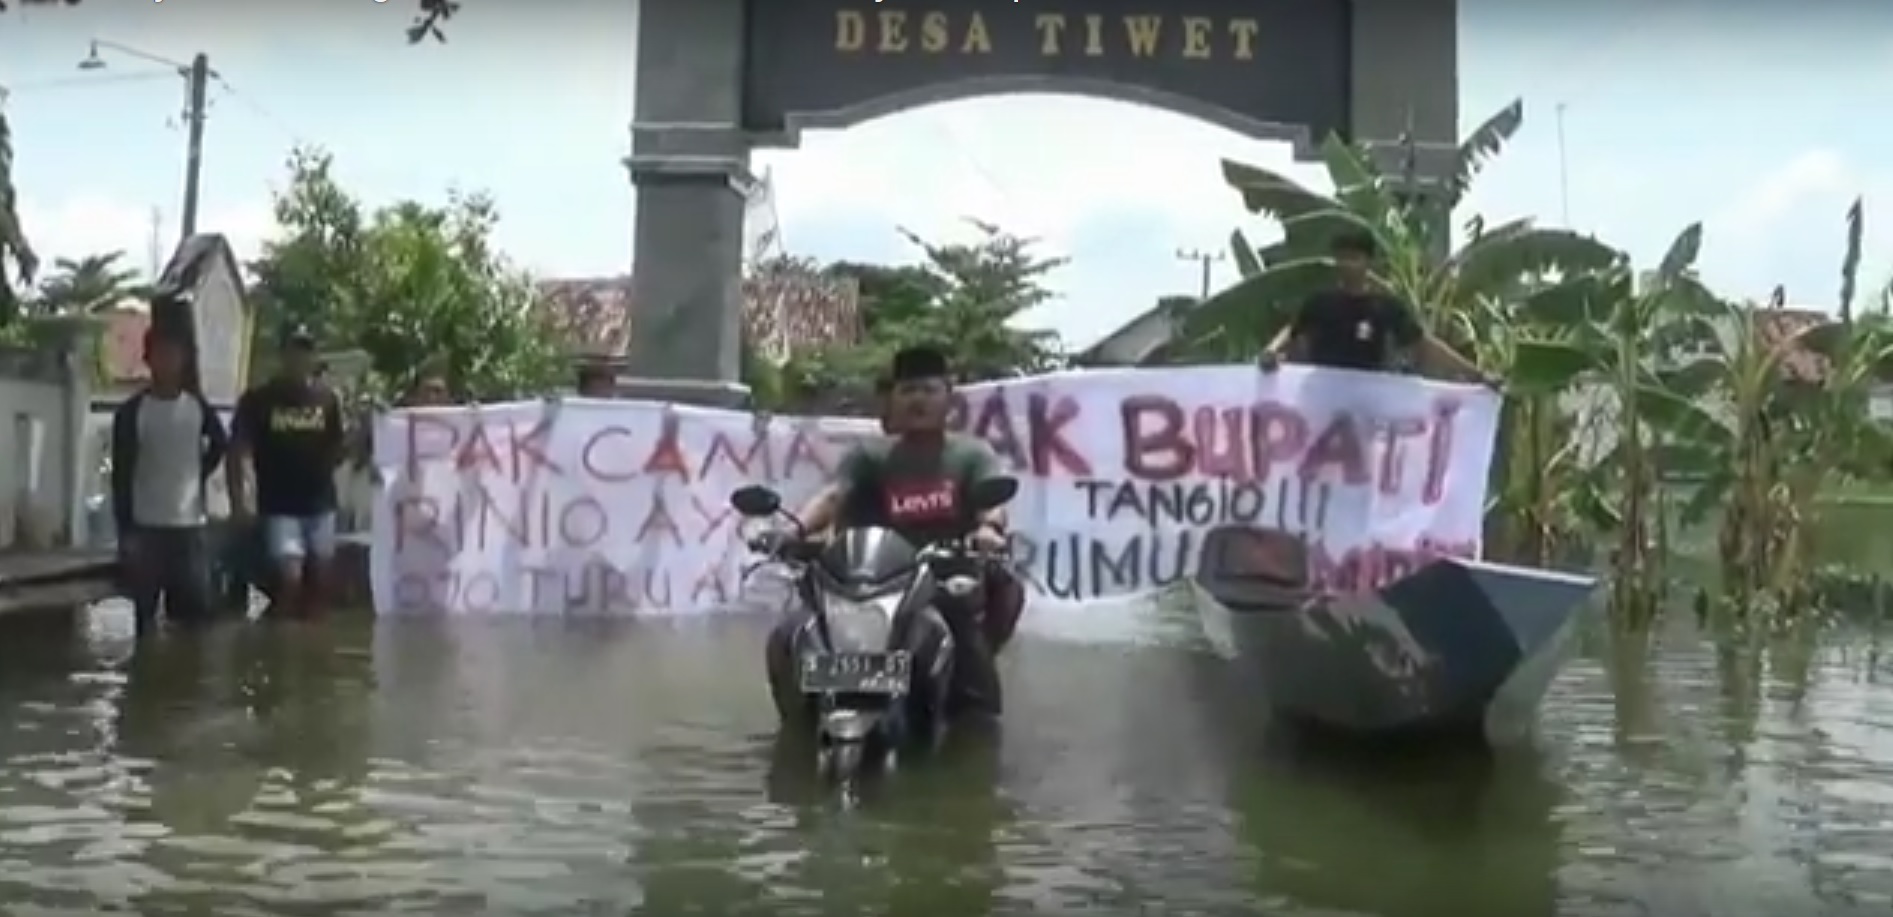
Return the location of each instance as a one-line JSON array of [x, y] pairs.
[[916, 481]]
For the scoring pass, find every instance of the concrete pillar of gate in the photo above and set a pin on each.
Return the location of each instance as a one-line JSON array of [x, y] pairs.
[[690, 164], [1406, 84]]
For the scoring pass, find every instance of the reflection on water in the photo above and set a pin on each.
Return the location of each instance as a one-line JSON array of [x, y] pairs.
[[513, 767]]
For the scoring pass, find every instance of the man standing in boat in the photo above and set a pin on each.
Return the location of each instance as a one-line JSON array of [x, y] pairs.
[[1355, 325]]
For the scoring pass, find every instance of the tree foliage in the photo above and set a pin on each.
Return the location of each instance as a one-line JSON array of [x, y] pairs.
[[79, 285], [416, 287], [18, 263], [965, 297]]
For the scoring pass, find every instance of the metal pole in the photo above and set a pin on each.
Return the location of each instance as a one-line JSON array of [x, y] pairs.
[[199, 78], [1564, 173]]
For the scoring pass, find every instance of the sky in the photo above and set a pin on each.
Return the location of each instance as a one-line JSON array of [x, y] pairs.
[[1745, 115]]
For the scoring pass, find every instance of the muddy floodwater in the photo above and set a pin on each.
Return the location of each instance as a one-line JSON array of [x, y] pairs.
[[506, 767]]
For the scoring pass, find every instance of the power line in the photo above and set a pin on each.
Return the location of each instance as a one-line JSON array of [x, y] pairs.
[[226, 90]]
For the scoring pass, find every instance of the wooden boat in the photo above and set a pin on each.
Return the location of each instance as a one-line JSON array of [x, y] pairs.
[[1456, 647]]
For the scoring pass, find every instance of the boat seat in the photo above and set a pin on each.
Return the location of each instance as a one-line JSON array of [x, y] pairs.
[[1251, 569]]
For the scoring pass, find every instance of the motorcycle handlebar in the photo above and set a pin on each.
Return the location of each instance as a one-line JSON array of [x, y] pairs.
[[780, 546]]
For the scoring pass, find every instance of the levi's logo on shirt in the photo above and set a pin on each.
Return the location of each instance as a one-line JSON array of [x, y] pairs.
[[921, 501]]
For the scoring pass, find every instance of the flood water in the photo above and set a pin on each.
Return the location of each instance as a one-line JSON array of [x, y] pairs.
[[505, 767]]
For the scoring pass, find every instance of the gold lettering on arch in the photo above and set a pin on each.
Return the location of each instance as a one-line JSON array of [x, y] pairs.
[[1152, 36]]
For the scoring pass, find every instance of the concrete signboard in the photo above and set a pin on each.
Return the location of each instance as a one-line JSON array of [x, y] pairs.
[[719, 78], [1262, 67]]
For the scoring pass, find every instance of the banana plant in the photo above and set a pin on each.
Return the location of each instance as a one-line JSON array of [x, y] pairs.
[[1608, 343], [1445, 291], [1544, 499], [1817, 431]]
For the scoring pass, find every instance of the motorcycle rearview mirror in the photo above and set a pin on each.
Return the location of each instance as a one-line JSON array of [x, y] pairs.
[[756, 501], [992, 493]]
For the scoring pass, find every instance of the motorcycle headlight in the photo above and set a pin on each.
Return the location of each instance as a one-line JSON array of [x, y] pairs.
[[863, 625]]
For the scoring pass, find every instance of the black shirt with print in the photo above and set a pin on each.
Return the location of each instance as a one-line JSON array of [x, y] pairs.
[[294, 432], [1354, 330]]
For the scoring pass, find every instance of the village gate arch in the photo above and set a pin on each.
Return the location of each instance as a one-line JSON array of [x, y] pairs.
[[718, 78]]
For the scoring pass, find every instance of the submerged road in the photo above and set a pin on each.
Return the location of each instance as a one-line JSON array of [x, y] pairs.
[[519, 768]]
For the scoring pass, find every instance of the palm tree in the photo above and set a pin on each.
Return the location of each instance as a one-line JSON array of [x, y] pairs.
[[86, 284], [13, 244]]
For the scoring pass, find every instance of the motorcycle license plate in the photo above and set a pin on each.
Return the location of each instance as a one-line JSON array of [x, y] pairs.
[[856, 673]]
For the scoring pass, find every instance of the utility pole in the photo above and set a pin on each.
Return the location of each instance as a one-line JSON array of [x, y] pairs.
[[156, 246], [1205, 259], [199, 78], [1564, 174]]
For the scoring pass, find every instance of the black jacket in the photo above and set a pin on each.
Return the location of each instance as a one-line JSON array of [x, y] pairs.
[[125, 451]]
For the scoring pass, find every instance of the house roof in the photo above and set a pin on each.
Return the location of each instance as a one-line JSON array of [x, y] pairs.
[[194, 257], [787, 310], [1164, 314], [122, 343], [1777, 327], [594, 314]]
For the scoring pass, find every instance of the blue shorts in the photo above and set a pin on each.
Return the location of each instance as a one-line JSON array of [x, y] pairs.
[[298, 537]]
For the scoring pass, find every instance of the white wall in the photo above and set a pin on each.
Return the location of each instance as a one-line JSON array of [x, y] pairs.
[[1880, 403], [222, 334], [33, 477]]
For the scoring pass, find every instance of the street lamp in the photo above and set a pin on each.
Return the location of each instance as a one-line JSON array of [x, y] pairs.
[[196, 76]]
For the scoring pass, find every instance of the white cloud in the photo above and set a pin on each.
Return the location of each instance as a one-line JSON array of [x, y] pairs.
[[1043, 166], [1787, 227], [1761, 207], [89, 224]]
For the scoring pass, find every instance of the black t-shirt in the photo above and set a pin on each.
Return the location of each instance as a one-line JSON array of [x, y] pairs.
[[294, 432], [1354, 330]]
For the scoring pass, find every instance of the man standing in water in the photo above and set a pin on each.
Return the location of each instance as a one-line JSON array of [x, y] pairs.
[[1356, 326], [921, 458], [430, 390], [597, 381], [166, 442], [290, 430]]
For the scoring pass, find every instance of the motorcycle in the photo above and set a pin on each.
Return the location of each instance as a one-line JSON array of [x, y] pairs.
[[874, 662]]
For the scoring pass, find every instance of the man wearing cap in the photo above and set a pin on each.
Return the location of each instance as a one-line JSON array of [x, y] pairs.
[[290, 431], [920, 455]]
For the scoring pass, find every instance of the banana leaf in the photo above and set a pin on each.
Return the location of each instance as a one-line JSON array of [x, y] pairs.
[[1484, 143], [1270, 194], [1682, 254], [1257, 307], [1572, 301], [1682, 418], [1541, 367], [1505, 253], [1248, 259]]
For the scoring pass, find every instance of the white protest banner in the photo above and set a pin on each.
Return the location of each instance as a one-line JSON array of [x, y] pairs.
[[611, 507]]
